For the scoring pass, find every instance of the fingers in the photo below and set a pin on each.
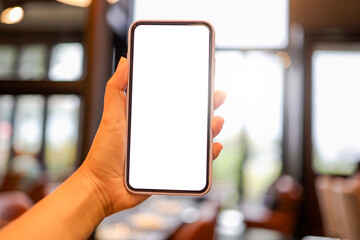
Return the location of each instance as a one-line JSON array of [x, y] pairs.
[[217, 125], [217, 147], [217, 122], [219, 98]]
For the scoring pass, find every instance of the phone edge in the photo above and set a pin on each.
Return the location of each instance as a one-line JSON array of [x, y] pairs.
[[212, 75]]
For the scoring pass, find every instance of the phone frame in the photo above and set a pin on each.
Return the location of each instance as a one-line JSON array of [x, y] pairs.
[[210, 107]]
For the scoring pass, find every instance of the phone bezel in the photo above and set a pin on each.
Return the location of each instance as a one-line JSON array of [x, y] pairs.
[[210, 106]]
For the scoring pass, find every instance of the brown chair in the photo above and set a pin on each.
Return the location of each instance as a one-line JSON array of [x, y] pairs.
[[12, 205], [281, 212], [37, 190], [203, 228], [10, 182]]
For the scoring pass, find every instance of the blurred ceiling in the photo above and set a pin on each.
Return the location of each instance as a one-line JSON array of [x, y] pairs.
[[313, 15], [46, 15], [319, 15]]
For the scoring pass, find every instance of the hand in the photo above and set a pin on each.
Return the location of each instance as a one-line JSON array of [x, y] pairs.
[[104, 165]]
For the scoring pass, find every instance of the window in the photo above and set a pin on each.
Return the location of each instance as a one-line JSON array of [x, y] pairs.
[[66, 62], [6, 128], [29, 115], [27, 138], [238, 23], [47, 138], [335, 103], [252, 135], [42, 90], [29, 131], [7, 61], [32, 62], [61, 136]]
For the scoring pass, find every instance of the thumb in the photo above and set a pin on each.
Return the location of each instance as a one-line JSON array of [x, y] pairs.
[[115, 99]]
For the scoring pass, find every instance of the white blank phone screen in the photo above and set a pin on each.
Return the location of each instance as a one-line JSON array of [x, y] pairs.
[[169, 108]]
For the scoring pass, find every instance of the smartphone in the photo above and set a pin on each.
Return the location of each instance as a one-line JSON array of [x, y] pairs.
[[170, 107]]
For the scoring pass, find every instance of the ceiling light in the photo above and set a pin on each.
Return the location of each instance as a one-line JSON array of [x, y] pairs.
[[76, 3], [12, 15], [286, 59], [112, 1]]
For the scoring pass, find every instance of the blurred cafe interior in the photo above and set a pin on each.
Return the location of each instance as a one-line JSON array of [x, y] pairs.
[[291, 71]]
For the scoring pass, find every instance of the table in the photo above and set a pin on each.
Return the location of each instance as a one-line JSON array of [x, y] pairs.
[[155, 219]]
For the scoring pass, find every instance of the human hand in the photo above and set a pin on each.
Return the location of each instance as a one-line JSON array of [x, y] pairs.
[[104, 165]]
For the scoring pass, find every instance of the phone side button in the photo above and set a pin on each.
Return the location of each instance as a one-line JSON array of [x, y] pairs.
[[214, 66]]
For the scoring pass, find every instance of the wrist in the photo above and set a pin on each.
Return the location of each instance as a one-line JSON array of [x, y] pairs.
[[72, 211], [96, 190]]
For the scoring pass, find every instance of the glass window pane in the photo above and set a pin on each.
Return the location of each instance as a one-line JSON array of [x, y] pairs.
[[335, 114], [173, 9], [238, 23], [66, 62], [253, 110], [251, 23], [6, 108], [61, 137], [32, 62], [28, 127], [7, 61]]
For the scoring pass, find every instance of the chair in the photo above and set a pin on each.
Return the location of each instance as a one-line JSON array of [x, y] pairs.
[[203, 228], [12, 205], [10, 182], [339, 201], [348, 194], [281, 213], [329, 209]]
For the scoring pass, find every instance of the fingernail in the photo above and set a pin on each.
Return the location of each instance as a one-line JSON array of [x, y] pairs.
[[122, 61]]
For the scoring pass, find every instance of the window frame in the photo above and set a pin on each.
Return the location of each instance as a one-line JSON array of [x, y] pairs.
[[97, 69], [309, 175], [44, 87]]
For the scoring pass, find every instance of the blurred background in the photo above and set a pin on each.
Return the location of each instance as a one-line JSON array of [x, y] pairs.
[[291, 71]]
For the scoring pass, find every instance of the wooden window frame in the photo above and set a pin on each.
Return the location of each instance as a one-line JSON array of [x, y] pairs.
[[96, 40], [311, 214]]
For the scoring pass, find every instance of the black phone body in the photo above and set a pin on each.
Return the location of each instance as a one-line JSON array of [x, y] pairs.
[[170, 107]]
